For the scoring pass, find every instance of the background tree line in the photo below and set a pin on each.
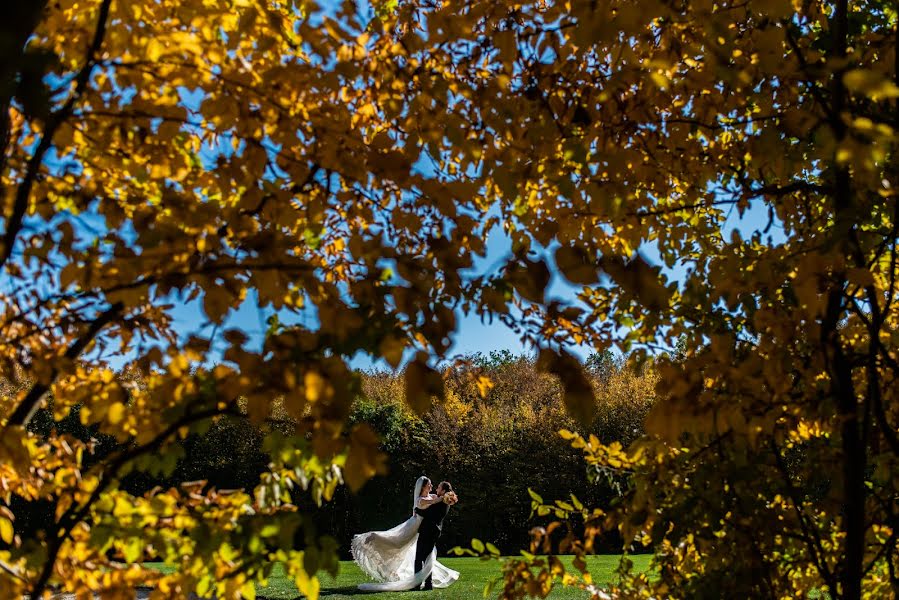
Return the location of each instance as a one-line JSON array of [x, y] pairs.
[[495, 436]]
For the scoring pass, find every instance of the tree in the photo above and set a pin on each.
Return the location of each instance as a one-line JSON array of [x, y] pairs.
[[238, 153], [287, 156], [752, 146]]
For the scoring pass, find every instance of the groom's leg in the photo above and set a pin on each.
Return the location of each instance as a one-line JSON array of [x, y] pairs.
[[422, 549], [429, 582], [419, 561]]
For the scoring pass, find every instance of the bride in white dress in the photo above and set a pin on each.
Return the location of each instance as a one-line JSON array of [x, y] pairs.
[[389, 556]]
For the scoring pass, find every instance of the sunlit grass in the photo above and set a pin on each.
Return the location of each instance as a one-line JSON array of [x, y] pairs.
[[474, 577]]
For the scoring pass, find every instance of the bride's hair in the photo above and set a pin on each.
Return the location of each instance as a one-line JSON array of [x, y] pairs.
[[419, 485]]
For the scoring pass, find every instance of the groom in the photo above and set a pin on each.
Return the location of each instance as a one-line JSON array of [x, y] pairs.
[[431, 526]]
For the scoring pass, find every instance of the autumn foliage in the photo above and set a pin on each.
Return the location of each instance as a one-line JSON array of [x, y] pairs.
[[718, 172], [494, 443], [496, 439]]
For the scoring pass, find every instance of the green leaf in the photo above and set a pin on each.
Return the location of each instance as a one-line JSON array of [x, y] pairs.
[[385, 8], [488, 589], [312, 238]]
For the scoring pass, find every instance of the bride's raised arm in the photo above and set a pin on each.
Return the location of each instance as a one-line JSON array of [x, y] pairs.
[[426, 501]]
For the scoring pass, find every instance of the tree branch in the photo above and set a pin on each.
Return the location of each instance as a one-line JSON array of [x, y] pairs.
[[19, 22], [26, 408], [76, 514], [23, 192], [813, 540], [795, 186], [803, 64]]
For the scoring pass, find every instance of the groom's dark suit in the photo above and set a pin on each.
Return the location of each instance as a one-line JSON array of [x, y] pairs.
[[428, 532]]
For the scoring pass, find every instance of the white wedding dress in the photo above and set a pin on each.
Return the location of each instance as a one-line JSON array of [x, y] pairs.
[[389, 557]]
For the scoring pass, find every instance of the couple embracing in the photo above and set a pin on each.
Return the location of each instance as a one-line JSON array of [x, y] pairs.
[[405, 557]]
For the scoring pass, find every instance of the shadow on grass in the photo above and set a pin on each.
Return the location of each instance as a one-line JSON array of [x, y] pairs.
[[349, 590]]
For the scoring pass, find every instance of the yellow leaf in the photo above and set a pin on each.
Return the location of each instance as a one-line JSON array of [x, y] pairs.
[[6, 530], [391, 349], [575, 265], [248, 590], [364, 459], [133, 550], [578, 393], [116, 413], [871, 84], [660, 79], [421, 383], [155, 49], [485, 384], [216, 303], [308, 586], [317, 387]]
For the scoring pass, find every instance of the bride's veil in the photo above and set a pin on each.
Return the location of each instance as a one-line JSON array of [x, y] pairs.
[[420, 483]]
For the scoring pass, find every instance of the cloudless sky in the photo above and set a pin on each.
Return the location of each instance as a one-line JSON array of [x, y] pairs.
[[472, 335]]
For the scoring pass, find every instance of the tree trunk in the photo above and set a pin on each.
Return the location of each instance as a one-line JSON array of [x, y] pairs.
[[854, 454]]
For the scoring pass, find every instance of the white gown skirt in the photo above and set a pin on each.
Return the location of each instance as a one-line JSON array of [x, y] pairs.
[[388, 557]]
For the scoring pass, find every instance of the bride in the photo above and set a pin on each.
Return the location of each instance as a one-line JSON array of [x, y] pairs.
[[389, 556]]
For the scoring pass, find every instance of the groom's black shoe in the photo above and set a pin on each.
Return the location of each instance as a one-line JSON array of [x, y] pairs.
[[429, 585]]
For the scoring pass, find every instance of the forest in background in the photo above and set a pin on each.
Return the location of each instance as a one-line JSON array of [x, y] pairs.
[[494, 441]]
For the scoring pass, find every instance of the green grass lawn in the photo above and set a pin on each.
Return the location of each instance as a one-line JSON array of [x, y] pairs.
[[474, 575]]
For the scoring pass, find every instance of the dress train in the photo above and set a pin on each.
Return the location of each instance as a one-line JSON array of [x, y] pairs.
[[388, 557]]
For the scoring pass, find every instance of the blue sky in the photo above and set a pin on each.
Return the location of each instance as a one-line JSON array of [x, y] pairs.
[[472, 335]]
